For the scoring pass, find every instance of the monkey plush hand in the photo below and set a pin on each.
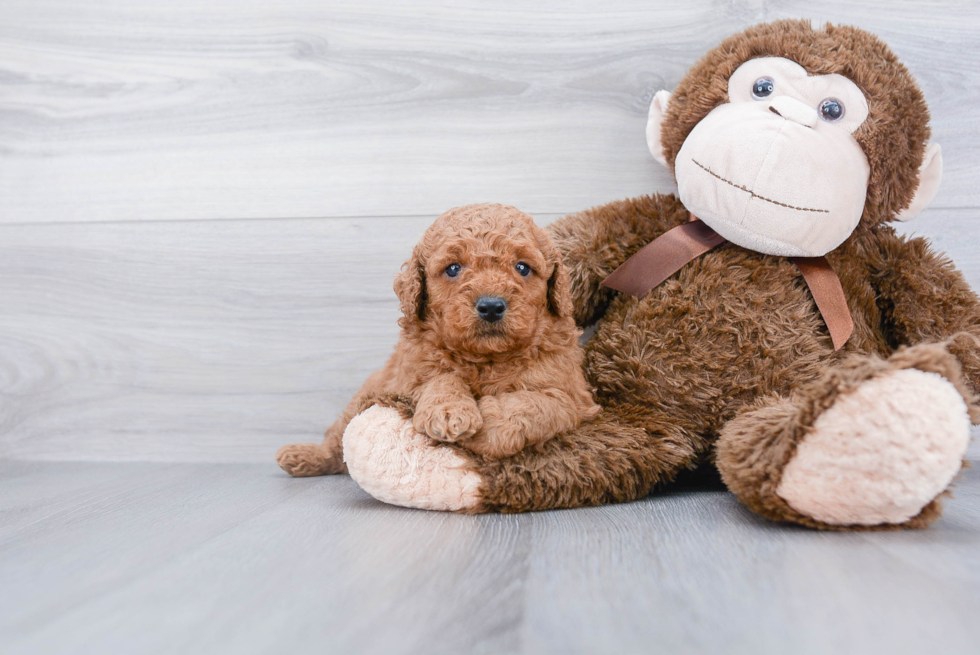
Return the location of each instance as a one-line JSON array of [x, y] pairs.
[[796, 148]]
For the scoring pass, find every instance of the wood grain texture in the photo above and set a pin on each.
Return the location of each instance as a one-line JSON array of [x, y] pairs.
[[154, 340], [238, 558], [132, 109], [213, 340]]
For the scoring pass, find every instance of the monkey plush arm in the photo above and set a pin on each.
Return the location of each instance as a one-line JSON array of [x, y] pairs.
[[923, 298], [593, 243]]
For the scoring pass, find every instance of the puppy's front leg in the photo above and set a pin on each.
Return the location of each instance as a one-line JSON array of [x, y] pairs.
[[516, 420], [446, 409]]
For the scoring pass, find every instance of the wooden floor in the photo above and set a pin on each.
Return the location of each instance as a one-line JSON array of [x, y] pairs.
[[236, 558], [202, 208]]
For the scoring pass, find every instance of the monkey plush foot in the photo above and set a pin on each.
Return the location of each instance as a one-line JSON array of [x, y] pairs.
[[396, 464], [880, 453], [871, 444]]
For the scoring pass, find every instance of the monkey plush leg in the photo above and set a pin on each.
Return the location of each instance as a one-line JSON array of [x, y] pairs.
[[872, 444], [602, 461]]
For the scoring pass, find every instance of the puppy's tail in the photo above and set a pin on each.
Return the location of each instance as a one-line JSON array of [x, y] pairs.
[[304, 460]]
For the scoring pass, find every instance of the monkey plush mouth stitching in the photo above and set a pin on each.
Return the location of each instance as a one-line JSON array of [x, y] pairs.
[[756, 195]]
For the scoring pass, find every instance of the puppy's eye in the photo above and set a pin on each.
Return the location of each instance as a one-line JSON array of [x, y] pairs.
[[453, 270], [763, 88], [523, 269]]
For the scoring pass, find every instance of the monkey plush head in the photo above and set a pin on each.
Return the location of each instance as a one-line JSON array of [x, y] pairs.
[[784, 139]]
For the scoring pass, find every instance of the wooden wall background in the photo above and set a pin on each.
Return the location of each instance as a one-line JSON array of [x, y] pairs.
[[203, 203]]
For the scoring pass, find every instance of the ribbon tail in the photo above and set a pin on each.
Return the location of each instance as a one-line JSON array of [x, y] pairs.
[[675, 248], [663, 257], [829, 295]]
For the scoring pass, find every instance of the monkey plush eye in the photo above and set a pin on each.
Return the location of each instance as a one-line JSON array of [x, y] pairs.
[[453, 270], [831, 110], [523, 269], [763, 88]]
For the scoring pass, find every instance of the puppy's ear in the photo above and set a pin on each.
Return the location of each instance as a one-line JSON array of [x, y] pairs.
[[559, 289], [559, 284], [410, 287]]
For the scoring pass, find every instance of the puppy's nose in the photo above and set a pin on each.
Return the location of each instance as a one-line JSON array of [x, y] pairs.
[[491, 308]]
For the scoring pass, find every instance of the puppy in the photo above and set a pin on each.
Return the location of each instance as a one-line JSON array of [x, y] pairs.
[[488, 355]]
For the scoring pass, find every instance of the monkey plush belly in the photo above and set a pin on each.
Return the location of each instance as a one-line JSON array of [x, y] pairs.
[[726, 329]]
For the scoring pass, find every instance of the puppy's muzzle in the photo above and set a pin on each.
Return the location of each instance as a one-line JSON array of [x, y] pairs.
[[491, 308]]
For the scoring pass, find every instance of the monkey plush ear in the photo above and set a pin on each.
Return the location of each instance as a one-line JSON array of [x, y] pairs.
[[930, 175], [656, 118]]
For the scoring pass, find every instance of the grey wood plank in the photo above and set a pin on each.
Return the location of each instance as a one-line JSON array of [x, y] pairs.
[[123, 109], [211, 332], [238, 558], [30, 498], [694, 572], [213, 340], [118, 528]]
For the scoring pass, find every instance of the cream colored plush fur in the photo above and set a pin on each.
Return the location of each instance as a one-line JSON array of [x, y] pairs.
[[757, 170], [780, 194], [397, 465], [880, 453]]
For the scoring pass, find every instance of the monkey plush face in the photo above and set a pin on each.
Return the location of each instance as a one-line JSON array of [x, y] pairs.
[[784, 151], [776, 169]]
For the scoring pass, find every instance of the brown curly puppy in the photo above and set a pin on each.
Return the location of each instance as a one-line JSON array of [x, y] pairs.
[[488, 354]]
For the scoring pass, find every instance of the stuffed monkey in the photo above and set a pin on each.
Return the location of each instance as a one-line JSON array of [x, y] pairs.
[[772, 323]]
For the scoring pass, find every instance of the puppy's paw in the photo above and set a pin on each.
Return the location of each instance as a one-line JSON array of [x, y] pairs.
[[449, 421], [500, 436], [496, 444], [303, 460]]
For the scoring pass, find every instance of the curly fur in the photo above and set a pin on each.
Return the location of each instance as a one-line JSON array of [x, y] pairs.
[[492, 388]]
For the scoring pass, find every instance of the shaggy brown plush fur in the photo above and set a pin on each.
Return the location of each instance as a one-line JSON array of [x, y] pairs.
[[725, 349], [729, 360], [775, 425], [491, 387]]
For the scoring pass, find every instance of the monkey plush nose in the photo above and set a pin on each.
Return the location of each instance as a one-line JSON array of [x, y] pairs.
[[491, 308], [794, 110]]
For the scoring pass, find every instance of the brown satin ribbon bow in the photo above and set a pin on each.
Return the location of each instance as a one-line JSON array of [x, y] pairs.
[[669, 252]]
